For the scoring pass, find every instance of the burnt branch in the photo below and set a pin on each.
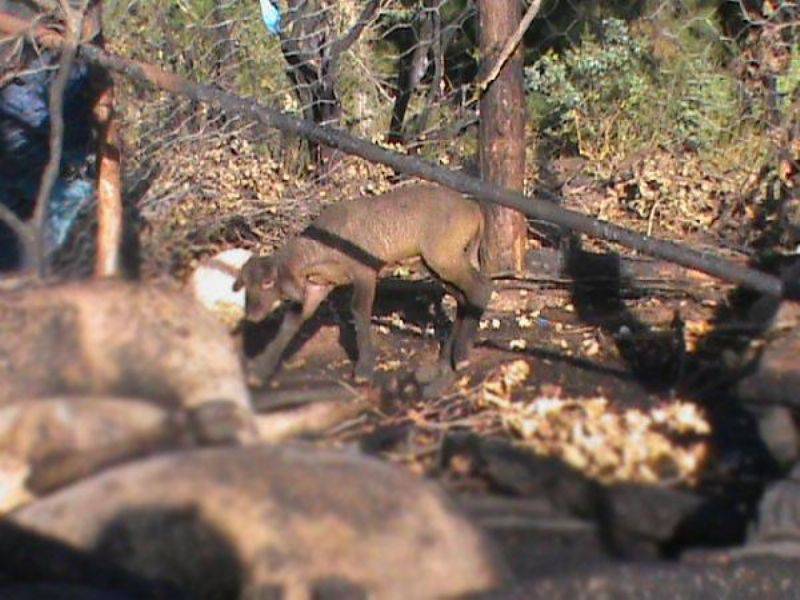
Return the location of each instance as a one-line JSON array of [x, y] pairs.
[[546, 207]]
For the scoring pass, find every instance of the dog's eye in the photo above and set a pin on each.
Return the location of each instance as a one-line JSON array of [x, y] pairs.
[[265, 285]]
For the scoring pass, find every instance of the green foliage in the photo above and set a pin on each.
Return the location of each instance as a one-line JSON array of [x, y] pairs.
[[188, 37], [704, 108], [789, 82], [574, 93], [605, 97]]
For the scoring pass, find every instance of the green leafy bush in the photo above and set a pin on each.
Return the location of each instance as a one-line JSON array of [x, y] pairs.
[[574, 94], [608, 96]]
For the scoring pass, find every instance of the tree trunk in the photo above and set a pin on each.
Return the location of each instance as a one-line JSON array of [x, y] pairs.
[[502, 136], [313, 53], [109, 186], [413, 66]]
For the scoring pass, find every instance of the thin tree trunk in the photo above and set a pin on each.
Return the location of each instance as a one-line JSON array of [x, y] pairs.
[[502, 136], [224, 45], [412, 70], [313, 58], [109, 177], [109, 188]]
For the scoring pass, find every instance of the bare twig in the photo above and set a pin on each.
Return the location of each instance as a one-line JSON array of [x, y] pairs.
[[25, 234], [74, 22], [510, 47], [343, 43]]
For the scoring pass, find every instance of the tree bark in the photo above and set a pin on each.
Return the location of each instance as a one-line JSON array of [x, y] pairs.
[[502, 136], [313, 58], [110, 214], [413, 66], [224, 46], [109, 188]]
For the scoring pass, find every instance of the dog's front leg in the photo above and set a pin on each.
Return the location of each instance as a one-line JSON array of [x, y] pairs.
[[262, 367]]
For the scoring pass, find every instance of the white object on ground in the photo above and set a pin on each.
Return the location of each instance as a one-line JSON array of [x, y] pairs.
[[211, 284]]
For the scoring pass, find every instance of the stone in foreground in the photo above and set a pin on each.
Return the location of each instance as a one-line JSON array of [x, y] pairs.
[[228, 522]]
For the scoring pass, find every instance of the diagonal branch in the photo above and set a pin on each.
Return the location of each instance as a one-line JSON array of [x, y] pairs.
[[510, 47], [341, 45]]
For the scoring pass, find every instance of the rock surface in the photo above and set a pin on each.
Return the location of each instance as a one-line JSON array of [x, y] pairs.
[[753, 579], [777, 529], [120, 339], [777, 377], [232, 521], [63, 439]]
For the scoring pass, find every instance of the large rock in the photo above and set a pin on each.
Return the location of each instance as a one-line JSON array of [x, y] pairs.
[[227, 522], [777, 530], [630, 520], [772, 390], [119, 339], [60, 440], [776, 379]]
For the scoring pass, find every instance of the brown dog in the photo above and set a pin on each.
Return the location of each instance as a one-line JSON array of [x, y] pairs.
[[349, 243]]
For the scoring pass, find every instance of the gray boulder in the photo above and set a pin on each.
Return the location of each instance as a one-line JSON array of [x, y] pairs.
[[250, 522]]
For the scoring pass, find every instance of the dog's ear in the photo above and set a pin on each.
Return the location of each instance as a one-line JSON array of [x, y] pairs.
[[247, 272]]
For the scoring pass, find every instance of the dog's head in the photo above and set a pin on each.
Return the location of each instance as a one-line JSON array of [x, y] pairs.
[[259, 278]]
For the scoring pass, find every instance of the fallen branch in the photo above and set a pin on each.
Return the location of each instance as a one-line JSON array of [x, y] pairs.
[[313, 418], [548, 210]]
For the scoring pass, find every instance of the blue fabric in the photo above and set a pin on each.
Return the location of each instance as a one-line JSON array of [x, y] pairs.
[[271, 15], [66, 203], [24, 144]]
